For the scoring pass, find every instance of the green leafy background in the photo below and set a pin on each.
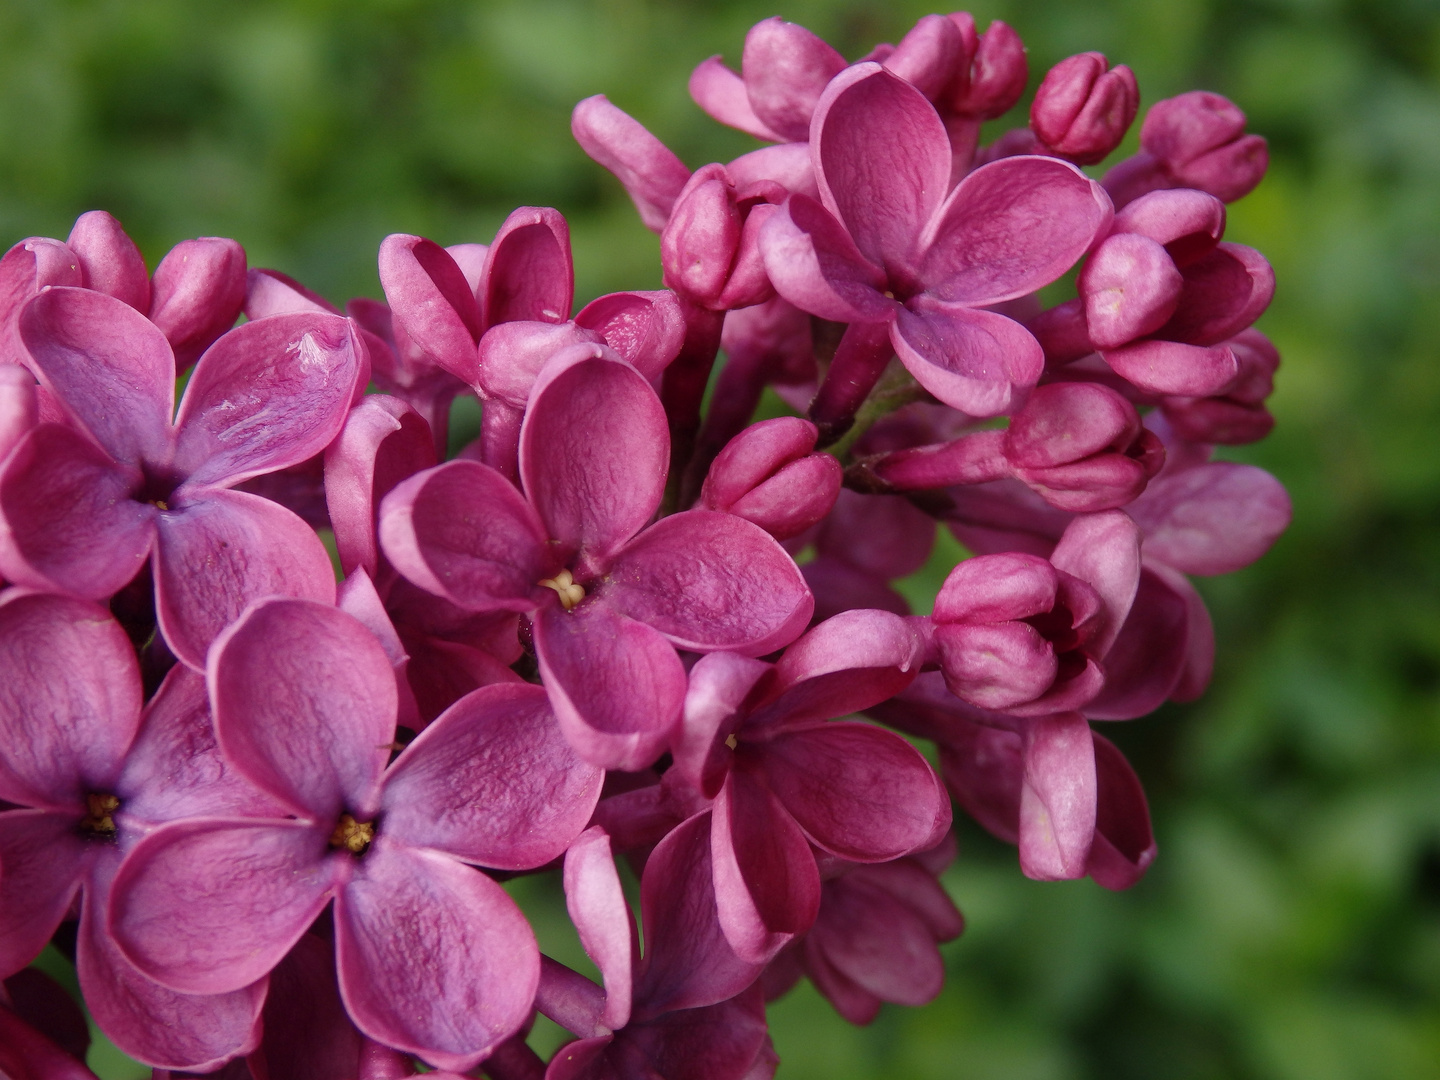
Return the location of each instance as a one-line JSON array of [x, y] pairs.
[[1291, 927]]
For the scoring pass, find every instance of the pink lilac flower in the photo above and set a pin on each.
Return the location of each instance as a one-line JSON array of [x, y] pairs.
[[213, 903], [610, 599], [85, 504]]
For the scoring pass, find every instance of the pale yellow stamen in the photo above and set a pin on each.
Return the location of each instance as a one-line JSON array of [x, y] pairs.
[[730, 741], [354, 836], [564, 585], [98, 813]]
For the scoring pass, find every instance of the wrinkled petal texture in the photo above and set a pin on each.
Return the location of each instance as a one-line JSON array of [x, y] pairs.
[[1213, 519], [434, 958], [974, 361], [45, 863], [492, 781]]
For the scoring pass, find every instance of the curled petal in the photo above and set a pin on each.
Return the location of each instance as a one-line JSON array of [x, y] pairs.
[[434, 958], [27, 269], [209, 905], [645, 328], [789, 164], [878, 943], [929, 55], [601, 915], [511, 355], [996, 588], [721, 93], [815, 265], [1130, 286], [1057, 798], [785, 68], [719, 685], [615, 684], [974, 361], [710, 581], [1170, 367], [995, 665], [431, 302], [219, 551], [1225, 291], [528, 273], [1124, 845], [109, 259], [492, 781], [1103, 550], [1149, 655], [650, 172], [269, 292]]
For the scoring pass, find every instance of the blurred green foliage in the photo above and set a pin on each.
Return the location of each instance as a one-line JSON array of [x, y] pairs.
[[1291, 927]]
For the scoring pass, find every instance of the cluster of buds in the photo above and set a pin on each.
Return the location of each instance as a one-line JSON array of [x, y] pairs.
[[268, 814]]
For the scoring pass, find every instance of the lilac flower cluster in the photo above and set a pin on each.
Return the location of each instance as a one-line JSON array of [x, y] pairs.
[[279, 810]]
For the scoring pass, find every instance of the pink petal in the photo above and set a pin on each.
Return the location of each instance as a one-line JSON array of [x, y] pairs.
[[67, 521], [785, 69], [431, 302], [25, 270], [858, 791], [492, 781], [269, 292], [688, 962], [1011, 227], [319, 752], [601, 915], [645, 328], [814, 264], [19, 405], [721, 93], [594, 450], [711, 581], [1213, 519], [790, 165], [268, 395], [975, 361], [1188, 222], [882, 160], [1199, 639], [718, 1042], [767, 886], [853, 1003], [929, 55], [615, 684], [109, 259], [222, 549], [383, 442], [1130, 287], [719, 685], [1103, 550], [1057, 798], [69, 701], [160, 1027], [528, 271], [650, 172], [511, 355], [997, 588], [1225, 291], [308, 1035], [196, 294], [883, 534], [1124, 845], [1170, 367], [45, 863], [463, 532], [1144, 665], [878, 943], [995, 665], [983, 767], [110, 367], [434, 958], [209, 905]]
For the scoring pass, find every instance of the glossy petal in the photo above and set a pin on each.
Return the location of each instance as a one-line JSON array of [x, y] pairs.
[[110, 367], [44, 865], [593, 451], [268, 395], [512, 354], [814, 264], [974, 361], [492, 781], [1213, 519], [711, 581], [109, 259], [304, 703], [645, 328], [528, 273], [1103, 550], [222, 550], [642, 163], [431, 301], [883, 163], [615, 684], [858, 791], [209, 905], [196, 294], [434, 958], [69, 701], [1057, 798], [785, 68], [1170, 367]]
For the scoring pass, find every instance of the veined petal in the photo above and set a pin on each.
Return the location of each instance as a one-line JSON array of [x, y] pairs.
[[882, 160], [645, 328], [110, 367], [974, 361], [45, 863], [615, 684], [785, 69], [708, 581], [813, 263], [492, 781], [434, 958], [857, 790], [432, 301], [267, 395], [304, 702], [462, 531], [594, 449], [222, 549], [209, 905], [67, 521], [528, 273], [69, 701], [1009, 228]]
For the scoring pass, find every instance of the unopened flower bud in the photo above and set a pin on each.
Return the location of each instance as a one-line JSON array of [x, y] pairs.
[[931, 54], [1238, 416], [109, 259], [1130, 287], [197, 293], [1200, 139], [1081, 447], [1082, 111], [996, 77], [769, 475]]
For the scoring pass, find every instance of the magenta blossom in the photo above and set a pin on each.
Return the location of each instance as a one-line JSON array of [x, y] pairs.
[[213, 903], [610, 599], [85, 504]]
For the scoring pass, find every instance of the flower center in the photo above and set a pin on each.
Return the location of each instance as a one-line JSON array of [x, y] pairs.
[[99, 819], [564, 585], [354, 836]]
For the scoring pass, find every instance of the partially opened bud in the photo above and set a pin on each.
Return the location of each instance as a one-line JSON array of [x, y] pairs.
[[109, 259], [702, 237], [769, 474], [1200, 138], [1130, 287], [997, 76], [197, 293], [1187, 222], [931, 54], [1081, 447], [1082, 111]]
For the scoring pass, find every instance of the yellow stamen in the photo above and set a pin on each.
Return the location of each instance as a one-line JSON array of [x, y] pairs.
[[354, 836], [731, 741], [159, 504], [564, 585], [98, 813]]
